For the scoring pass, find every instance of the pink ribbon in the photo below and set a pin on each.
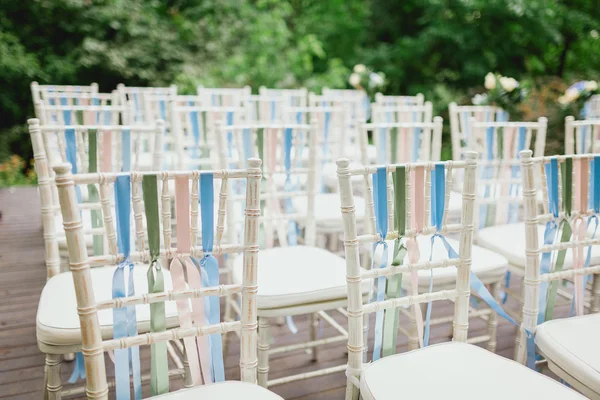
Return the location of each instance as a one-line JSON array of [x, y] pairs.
[[106, 151], [197, 349], [417, 185], [580, 228]]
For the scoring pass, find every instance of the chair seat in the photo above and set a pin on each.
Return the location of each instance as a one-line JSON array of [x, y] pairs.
[[457, 371], [296, 275], [487, 265], [228, 390], [509, 240], [570, 343], [328, 213], [57, 319]]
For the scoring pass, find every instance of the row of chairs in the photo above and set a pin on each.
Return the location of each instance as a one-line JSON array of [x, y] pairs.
[[290, 156]]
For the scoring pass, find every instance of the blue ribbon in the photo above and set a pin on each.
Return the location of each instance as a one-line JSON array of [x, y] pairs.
[[326, 121], [247, 142], [513, 208], [416, 139], [487, 174], [136, 105], [466, 129], [272, 110], [595, 204], [549, 233], [229, 119], [126, 149], [287, 159], [124, 319], [211, 265], [195, 131], [381, 220]]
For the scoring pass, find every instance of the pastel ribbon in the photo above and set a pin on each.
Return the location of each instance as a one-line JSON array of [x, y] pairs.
[[124, 319], [195, 131], [381, 221], [126, 149], [595, 205], [93, 195], [159, 376], [394, 282], [326, 123], [211, 265], [414, 255], [287, 156], [107, 151], [416, 138], [513, 208], [487, 175]]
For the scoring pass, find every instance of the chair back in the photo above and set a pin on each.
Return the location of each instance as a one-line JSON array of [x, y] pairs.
[[153, 245], [290, 161], [224, 97], [500, 182], [402, 141], [41, 92], [401, 113], [592, 107], [570, 201], [145, 102], [459, 123], [405, 202], [583, 136], [396, 101]]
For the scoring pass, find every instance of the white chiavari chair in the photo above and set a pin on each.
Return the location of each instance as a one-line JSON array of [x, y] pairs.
[[288, 97], [224, 97], [88, 148], [436, 371], [146, 103], [571, 201], [386, 100], [295, 277], [582, 137], [193, 129], [459, 123], [357, 101], [499, 217], [164, 306]]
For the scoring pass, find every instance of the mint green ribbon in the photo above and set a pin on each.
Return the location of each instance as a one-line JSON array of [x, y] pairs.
[[93, 195], [159, 377]]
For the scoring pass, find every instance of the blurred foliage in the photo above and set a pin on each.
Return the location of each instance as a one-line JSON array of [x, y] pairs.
[[442, 48], [11, 172]]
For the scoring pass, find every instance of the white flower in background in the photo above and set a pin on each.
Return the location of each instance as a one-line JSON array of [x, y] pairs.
[[360, 68], [479, 99], [354, 80], [375, 80], [490, 81], [508, 84], [563, 100], [571, 94], [591, 86]]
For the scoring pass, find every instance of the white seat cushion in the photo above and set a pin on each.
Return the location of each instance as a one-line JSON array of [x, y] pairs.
[[457, 371], [487, 265], [509, 240], [572, 344], [328, 212], [229, 390], [57, 319], [297, 275]]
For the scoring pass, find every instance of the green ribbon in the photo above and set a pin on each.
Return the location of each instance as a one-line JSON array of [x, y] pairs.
[[93, 195], [79, 117], [394, 143], [260, 140], [566, 170], [394, 282], [159, 377]]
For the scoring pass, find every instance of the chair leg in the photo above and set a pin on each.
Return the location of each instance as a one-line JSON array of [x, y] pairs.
[[521, 304], [69, 357], [54, 383], [595, 301], [314, 329], [263, 351], [492, 323]]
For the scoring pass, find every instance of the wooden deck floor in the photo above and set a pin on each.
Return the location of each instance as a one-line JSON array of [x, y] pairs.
[[22, 276]]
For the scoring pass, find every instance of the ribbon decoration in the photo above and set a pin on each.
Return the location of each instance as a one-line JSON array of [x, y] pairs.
[[229, 119], [513, 209], [487, 173], [566, 231], [124, 318], [394, 282], [418, 200], [438, 197], [211, 266], [416, 139], [126, 149], [287, 158], [273, 115], [195, 131], [159, 376], [595, 205], [196, 349], [136, 106], [381, 221], [580, 229], [326, 123]]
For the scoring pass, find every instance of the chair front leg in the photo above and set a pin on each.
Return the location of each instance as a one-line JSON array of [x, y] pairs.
[[314, 329], [492, 323], [263, 351], [53, 383]]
